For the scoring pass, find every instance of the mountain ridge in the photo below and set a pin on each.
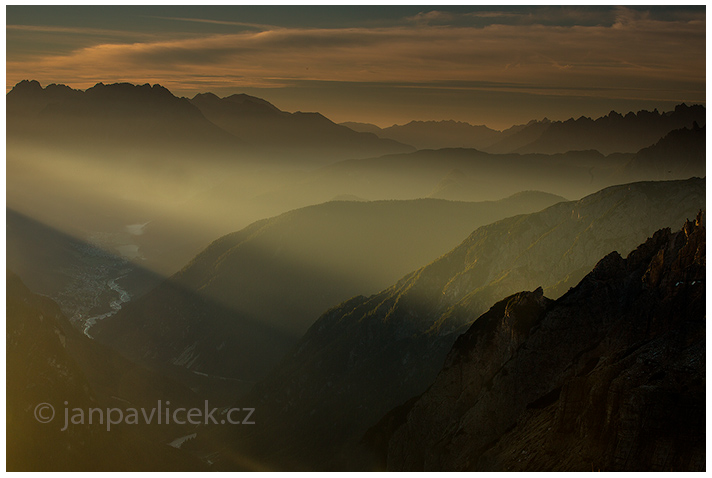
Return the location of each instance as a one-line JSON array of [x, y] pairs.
[[279, 274], [234, 126], [614, 132], [384, 348], [610, 376], [611, 133]]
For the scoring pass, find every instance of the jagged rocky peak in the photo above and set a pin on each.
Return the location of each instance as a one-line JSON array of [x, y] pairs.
[[129, 90], [515, 316], [609, 377], [27, 86], [54, 87]]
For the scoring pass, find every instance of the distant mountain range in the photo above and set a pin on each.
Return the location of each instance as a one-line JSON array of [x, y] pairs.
[[115, 120], [610, 377], [243, 302], [613, 133], [370, 354], [149, 120], [471, 175], [401, 315], [682, 152], [434, 134], [309, 137]]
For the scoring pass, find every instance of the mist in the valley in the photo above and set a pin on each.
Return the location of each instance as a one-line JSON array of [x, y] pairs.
[[355, 238], [144, 181], [230, 250]]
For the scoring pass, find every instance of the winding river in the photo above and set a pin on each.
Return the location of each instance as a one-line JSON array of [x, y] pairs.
[[115, 304]]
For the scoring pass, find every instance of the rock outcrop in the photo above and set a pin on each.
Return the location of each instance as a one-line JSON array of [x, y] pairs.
[[609, 377], [370, 354]]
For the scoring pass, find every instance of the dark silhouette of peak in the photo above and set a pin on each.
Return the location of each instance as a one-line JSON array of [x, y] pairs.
[[235, 104], [98, 92], [243, 99], [389, 347], [224, 111], [31, 89], [313, 116], [28, 98], [126, 102], [143, 118], [129, 92], [437, 134], [206, 96], [59, 89], [609, 377], [517, 136], [362, 127], [613, 132], [112, 119], [300, 135], [680, 154], [27, 87]]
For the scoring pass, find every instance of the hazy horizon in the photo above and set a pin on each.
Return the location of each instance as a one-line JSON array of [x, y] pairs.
[[382, 65], [434, 296]]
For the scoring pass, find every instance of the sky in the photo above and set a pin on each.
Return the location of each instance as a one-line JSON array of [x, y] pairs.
[[385, 65]]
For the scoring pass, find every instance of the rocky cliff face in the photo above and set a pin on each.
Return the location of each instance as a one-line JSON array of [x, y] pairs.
[[611, 376], [370, 354]]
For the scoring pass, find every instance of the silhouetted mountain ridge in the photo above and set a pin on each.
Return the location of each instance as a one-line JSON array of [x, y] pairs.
[[472, 175], [239, 305], [680, 152], [387, 348], [112, 119], [311, 136], [609, 377], [124, 116], [614, 132], [439, 134]]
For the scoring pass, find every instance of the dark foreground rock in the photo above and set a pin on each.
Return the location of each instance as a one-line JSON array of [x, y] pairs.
[[609, 377]]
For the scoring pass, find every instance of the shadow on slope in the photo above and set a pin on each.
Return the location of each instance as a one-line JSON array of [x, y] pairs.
[[609, 377], [239, 306], [369, 354]]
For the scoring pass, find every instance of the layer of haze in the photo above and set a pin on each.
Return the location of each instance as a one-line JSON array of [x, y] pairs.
[[155, 183], [143, 174], [384, 65]]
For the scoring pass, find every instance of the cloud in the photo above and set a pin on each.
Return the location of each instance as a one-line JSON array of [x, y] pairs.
[[566, 16], [635, 52], [258, 26]]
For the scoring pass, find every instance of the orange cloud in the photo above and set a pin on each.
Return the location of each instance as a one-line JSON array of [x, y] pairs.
[[635, 57]]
